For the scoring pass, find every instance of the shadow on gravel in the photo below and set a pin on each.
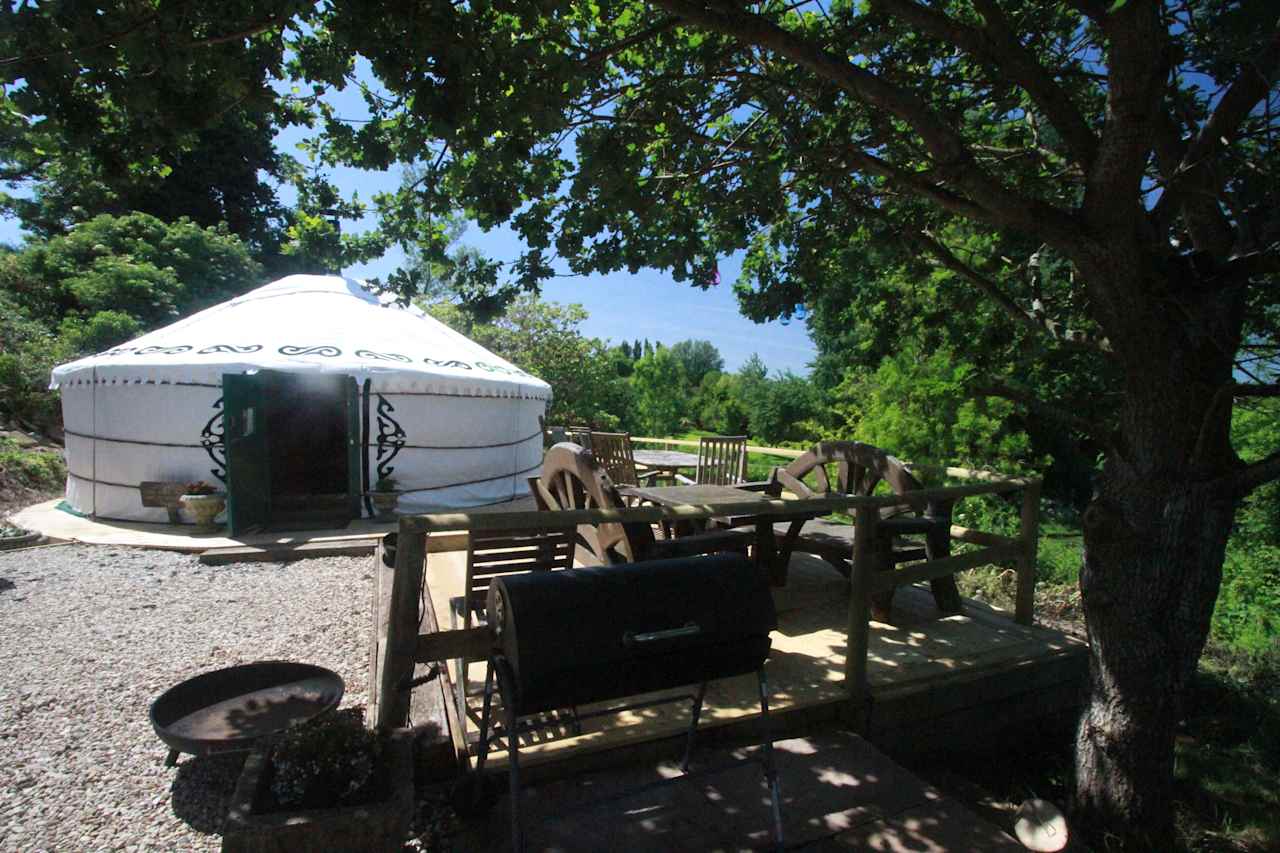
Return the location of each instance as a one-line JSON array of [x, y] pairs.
[[202, 790]]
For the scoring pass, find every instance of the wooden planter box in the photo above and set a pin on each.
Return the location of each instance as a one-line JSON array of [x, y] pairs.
[[349, 829]]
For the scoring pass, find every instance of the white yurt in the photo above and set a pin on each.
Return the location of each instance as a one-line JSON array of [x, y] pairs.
[[297, 398]]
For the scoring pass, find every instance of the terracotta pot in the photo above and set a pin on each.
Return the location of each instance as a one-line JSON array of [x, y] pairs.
[[386, 504], [205, 508], [374, 827]]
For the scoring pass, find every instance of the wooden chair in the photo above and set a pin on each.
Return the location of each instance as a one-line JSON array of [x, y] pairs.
[[854, 468], [491, 553], [614, 452], [722, 461], [552, 433], [572, 478]]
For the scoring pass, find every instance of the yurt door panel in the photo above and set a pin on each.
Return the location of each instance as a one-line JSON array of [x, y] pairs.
[[355, 449], [248, 459]]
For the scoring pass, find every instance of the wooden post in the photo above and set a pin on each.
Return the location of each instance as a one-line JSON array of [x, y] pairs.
[[402, 628], [1029, 538], [938, 546], [382, 576], [855, 656]]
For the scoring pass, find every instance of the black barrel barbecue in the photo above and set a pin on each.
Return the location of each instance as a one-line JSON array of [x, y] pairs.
[[584, 636]]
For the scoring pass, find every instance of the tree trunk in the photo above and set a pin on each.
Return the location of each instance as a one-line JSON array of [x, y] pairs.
[[1155, 539], [1153, 563]]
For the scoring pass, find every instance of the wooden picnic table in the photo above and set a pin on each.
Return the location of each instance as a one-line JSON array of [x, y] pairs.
[[767, 555], [667, 461]]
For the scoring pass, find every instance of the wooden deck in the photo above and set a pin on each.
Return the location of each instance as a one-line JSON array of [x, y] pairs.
[[934, 679]]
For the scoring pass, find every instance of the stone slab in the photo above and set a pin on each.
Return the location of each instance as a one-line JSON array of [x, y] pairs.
[[838, 792]]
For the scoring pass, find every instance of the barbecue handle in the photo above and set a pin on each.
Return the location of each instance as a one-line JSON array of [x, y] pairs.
[[631, 638]]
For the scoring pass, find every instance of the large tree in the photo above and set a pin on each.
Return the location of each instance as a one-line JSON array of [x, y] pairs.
[[699, 358], [1133, 141]]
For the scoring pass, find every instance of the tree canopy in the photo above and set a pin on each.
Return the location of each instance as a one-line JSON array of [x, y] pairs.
[[171, 111], [110, 278]]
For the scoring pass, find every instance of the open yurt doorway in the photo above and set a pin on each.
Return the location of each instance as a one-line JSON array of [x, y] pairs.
[[292, 450]]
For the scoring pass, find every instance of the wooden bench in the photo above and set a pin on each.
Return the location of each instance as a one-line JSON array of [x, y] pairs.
[[167, 495]]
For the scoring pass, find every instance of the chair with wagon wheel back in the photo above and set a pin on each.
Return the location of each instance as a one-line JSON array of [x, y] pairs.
[[858, 469], [572, 478]]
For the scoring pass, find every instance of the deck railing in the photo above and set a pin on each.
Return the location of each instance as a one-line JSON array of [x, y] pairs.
[[421, 534]]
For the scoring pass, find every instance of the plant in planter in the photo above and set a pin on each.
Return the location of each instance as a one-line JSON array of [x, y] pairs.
[[13, 536], [204, 502], [384, 497], [327, 784]]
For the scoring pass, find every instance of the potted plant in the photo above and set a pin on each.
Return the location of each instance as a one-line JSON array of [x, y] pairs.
[[204, 502], [384, 497], [327, 784], [13, 536]]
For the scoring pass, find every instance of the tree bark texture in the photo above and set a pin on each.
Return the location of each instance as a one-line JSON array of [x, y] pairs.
[[1155, 539]]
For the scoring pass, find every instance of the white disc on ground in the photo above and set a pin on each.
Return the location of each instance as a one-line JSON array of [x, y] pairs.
[[1040, 826]]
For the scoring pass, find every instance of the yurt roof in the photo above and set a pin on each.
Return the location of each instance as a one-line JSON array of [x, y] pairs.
[[310, 324]]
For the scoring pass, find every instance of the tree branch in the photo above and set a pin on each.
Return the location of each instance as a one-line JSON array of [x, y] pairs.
[[998, 47], [1224, 396], [1092, 9], [1196, 176], [248, 32], [918, 184], [1255, 474], [1035, 319], [1136, 73], [1246, 266], [606, 52], [947, 148], [1026, 398]]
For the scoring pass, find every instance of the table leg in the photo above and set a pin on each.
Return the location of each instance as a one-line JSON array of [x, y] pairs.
[[767, 553]]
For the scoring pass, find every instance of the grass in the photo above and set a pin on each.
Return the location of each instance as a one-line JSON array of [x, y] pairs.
[[1227, 757]]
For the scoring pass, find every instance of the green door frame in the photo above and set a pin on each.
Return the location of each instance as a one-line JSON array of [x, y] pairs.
[[246, 399]]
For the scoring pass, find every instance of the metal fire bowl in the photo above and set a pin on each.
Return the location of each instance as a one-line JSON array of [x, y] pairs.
[[228, 710]]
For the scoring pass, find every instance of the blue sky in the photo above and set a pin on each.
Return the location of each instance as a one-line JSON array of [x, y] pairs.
[[621, 306]]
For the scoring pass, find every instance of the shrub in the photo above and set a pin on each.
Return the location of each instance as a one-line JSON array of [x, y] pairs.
[[326, 762], [34, 469], [1247, 614]]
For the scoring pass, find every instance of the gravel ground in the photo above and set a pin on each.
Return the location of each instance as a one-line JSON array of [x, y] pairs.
[[89, 636]]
